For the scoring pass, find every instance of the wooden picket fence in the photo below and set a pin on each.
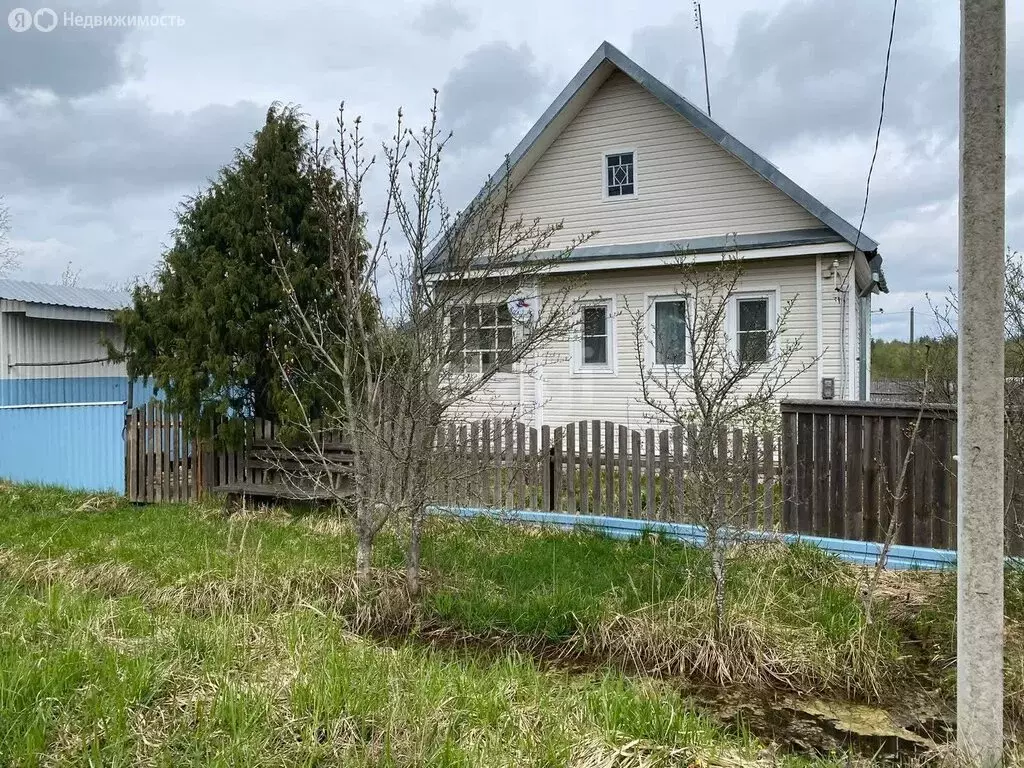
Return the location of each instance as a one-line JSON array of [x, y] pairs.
[[601, 468], [831, 472], [162, 461], [165, 463]]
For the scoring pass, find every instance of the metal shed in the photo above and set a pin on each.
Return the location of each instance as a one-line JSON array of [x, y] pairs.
[[62, 401]]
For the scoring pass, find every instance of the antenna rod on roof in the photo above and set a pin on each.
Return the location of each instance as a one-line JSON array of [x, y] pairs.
[[703, 52]]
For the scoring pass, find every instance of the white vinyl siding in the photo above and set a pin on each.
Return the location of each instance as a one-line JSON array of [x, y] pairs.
[[688, 186], [835, 327], [568, 396]]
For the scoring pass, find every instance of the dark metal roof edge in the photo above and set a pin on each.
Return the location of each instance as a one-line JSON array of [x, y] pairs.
[[700, 245]]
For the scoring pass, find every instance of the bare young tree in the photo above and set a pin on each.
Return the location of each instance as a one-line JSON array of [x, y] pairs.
[[8, 253], [698, 376], [410, 335], [893, 498], [940, 364]]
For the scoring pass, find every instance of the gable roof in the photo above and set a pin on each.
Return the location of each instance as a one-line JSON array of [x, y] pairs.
[[601, 65], [63, 295]]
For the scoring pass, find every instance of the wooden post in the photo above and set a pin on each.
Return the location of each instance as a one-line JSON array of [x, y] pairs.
[[623, 448], [736, 465], [872, 528], [584, 471], [804, 472], [609, 468], [678, 475], [547, 470], [837, 510], [570, 469], [476, 464], [558, 466], [635, 450], [595, 453], [768, 446], [664, 470], [519, 501], [853, 521], [752, 501], [787, 455], [651, 511]]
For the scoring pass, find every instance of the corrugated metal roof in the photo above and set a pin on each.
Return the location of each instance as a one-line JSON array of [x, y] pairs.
[[63, 295]]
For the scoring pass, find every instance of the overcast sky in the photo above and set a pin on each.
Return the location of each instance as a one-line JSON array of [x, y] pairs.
[[103, 131]]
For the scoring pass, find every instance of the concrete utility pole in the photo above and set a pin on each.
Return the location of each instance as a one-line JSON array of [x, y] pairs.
[[979, 702], [911, 326]]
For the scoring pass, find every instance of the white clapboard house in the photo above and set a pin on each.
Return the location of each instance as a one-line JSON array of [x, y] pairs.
[[622, 154]]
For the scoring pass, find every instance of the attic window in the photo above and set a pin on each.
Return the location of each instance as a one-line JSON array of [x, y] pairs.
[[620, 174]]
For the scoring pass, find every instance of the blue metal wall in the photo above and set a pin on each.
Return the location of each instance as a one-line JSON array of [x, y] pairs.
[[97, 389], [75, 446]]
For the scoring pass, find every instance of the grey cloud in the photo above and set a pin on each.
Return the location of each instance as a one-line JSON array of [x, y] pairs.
[[442, 18], [802, 85], [815, 69], [67, 61], [494, 85], [104, 148]]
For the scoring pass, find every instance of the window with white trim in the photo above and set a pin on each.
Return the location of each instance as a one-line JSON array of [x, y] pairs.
[[620, 174], [669, 337], [753, 325], [592, 344], [596, 336], [480, 337]]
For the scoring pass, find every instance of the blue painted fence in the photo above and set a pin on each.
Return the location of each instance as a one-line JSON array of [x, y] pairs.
[[859, 552], [75, 446]]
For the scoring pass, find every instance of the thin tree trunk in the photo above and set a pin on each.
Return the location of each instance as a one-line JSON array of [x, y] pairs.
[[364, 546], [412, 564], [718, 576]]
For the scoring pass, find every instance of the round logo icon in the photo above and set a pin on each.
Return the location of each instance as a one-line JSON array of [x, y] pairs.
[[45, 19], [20, 20]]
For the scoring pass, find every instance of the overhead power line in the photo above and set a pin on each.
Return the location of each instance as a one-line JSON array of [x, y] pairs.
[[698, 19], [878, 135]]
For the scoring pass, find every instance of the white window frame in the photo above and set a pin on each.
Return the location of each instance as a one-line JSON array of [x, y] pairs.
[[608, 368], [604, 175], [461, 369], [772, 296], [651, 359]]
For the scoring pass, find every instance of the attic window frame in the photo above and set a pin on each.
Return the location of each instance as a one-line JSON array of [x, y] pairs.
[[604, 174]]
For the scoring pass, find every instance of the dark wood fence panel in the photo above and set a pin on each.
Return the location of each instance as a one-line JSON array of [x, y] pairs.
[[864, 447]]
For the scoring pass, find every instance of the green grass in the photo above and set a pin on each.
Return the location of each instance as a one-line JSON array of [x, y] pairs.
[[169, 635], [98, 671], [794, 612], [98, 681]]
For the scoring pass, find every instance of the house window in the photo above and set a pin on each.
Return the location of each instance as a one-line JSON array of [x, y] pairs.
[[670, 331], [481, 337], [592, 346], [620, 174], [752, 328], [595, 335]]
